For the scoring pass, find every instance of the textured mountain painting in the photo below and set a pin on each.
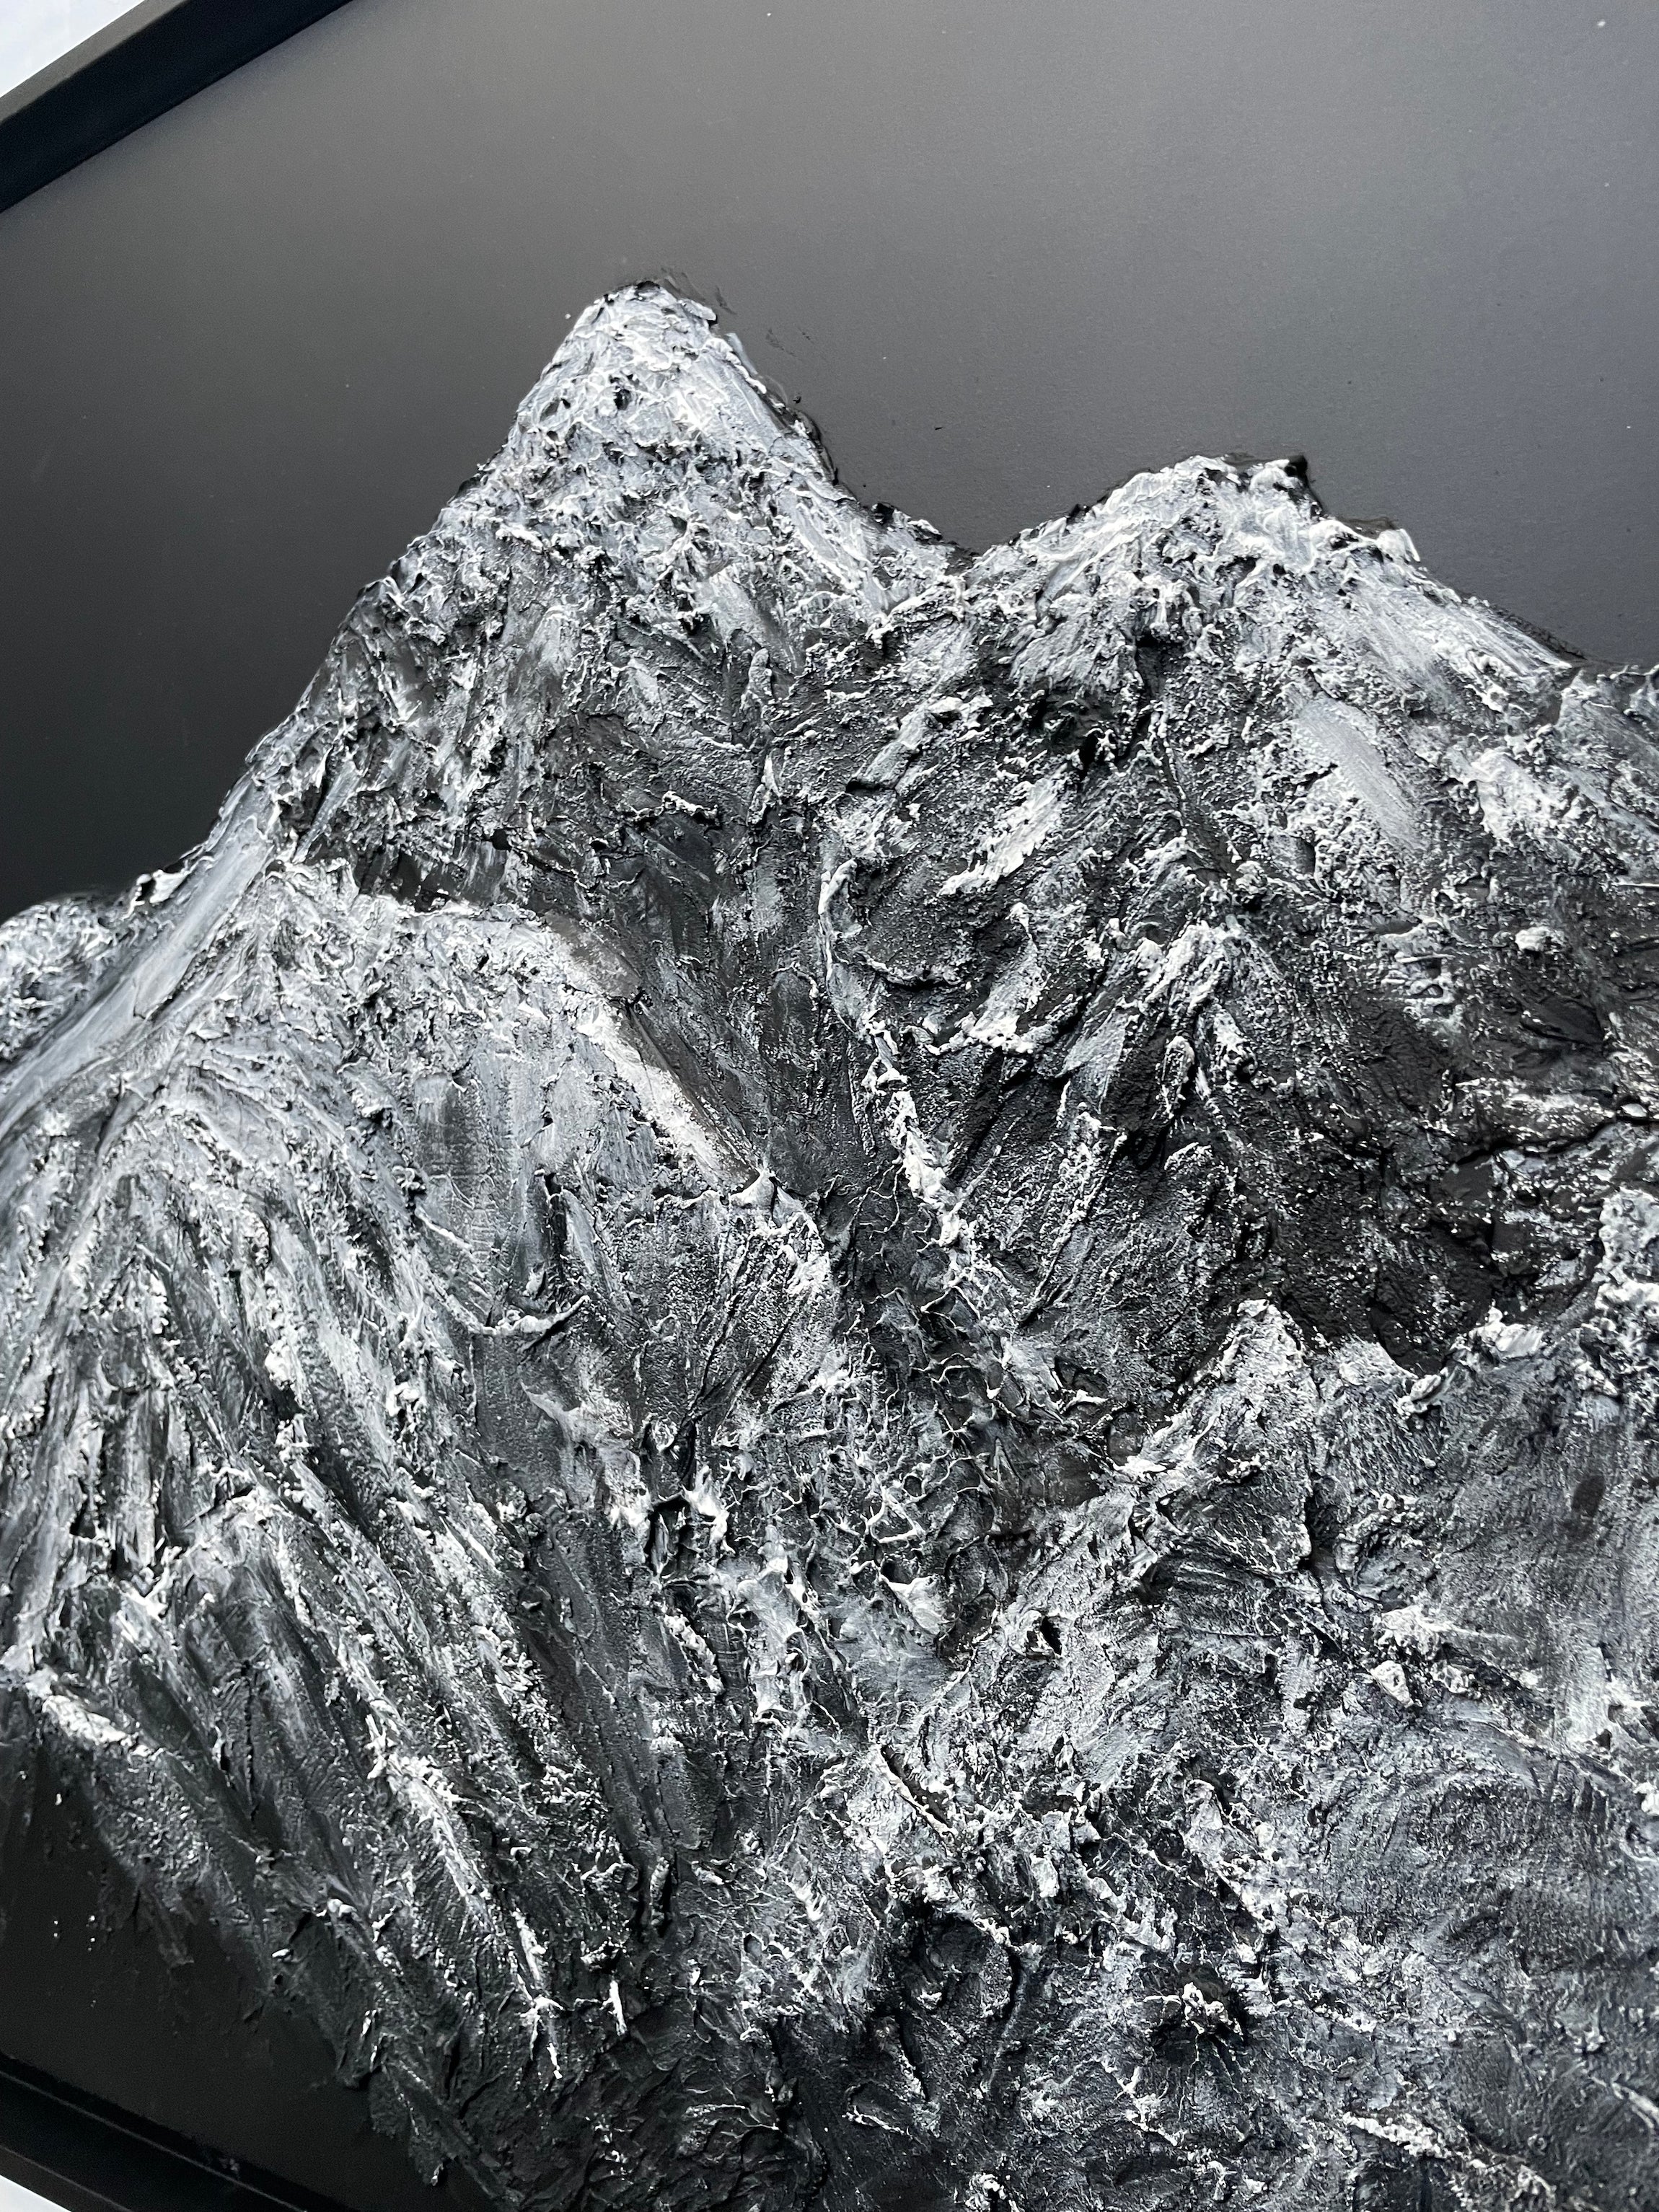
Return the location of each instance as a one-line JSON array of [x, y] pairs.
[[832, 1379]]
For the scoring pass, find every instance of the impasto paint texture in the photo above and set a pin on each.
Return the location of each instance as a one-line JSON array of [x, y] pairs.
[[832, 1378]]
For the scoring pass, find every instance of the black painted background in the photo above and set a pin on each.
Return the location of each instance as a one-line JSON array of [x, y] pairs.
[[1006, 251]]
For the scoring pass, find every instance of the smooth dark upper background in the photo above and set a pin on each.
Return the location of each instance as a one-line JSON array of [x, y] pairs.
[[1005, 252]]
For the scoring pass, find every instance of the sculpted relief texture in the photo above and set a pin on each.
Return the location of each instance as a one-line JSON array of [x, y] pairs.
[[831, 1379]]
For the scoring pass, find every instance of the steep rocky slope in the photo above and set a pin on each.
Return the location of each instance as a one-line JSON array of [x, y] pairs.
[[833, 1378]]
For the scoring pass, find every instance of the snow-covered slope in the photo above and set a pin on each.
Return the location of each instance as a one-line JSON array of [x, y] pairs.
[[832, 1378]]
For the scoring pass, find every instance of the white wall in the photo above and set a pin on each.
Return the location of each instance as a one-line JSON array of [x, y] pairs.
[[15, 2198], [35, 32]]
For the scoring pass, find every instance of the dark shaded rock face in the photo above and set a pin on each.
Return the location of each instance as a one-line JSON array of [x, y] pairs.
[[833, 1378]]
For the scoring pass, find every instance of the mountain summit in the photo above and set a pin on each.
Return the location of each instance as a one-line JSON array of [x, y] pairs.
[[832, 1378]]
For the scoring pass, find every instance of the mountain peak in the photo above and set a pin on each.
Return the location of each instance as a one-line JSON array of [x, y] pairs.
[[645, 348]]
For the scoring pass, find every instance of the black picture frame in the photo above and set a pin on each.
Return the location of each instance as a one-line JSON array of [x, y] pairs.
[[151, 58], [87, 2156]]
